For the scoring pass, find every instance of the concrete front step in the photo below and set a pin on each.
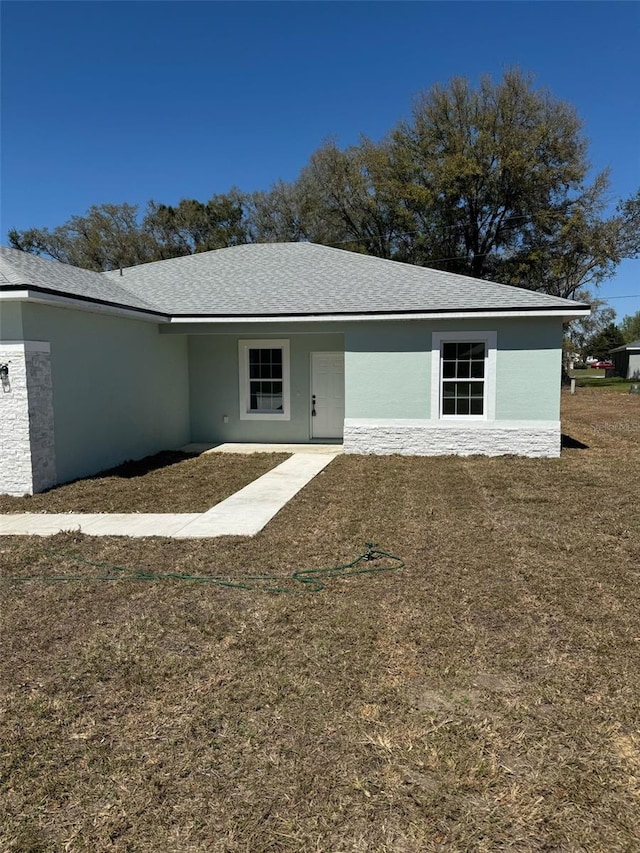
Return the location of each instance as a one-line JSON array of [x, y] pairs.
[[244, 447]]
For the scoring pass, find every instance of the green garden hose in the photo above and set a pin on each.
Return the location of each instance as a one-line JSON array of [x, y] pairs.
[[310, 579]]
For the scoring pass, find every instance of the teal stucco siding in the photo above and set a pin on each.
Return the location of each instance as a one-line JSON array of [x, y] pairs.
[[388, 367], [529, 364], [214, 387], [11, 321], [120, 389], [387, 370]]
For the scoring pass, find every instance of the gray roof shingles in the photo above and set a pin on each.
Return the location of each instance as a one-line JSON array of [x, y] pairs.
[[271, 279], [282, 279], [21, 269]]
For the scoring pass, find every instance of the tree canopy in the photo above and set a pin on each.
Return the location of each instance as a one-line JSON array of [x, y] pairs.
[[109, 236], [630, 328], [580, 333], [489, 181], [597, 334], [606, 340]]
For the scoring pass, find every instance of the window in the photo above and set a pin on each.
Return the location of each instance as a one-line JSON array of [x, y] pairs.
[[264, 380], [463, 375], [463, 367]]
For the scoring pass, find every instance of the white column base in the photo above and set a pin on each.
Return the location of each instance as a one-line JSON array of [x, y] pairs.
[[27, 455]]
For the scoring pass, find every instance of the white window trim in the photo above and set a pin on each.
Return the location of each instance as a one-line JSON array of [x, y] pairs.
[[490, 340], [243, 360]]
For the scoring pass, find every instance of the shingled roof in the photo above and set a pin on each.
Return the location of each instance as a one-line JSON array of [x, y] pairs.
[[285, 280], [22, 270]]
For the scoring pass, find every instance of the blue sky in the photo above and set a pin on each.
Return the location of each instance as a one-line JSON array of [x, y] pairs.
[[131, 101]]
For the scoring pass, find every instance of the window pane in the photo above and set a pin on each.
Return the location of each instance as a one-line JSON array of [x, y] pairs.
[[449, 351], [463, 360], [265, 364], [463, 398], [448, 389], [265, 396]]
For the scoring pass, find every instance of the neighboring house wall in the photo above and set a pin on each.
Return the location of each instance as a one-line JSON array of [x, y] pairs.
[[120, 389], [214, 367], [633, 371], [627, 363], [389, 389], [621, 363]]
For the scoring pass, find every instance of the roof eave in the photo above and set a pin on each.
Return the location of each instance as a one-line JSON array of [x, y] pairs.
[[559, 312], [632, 347], [48, 296], [30, 293]]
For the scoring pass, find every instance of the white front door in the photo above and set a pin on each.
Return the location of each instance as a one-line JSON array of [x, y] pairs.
[[327, 394]]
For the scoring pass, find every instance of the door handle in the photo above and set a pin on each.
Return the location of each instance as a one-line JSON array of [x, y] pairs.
[[313, 405]]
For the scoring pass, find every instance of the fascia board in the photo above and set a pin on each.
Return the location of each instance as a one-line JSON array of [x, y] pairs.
[[160, 317], [80, 304], [333, 318]]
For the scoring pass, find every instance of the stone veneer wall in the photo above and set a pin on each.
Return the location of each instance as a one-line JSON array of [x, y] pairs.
[[27, 455], [425, 438], [40, 396]]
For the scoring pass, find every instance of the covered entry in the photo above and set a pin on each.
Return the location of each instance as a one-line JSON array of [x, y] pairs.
[[327, 394]]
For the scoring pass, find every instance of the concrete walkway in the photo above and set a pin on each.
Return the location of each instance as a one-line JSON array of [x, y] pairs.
[[243, 514], [248, 511]]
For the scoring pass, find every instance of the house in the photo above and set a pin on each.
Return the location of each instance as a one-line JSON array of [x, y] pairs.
[[626, 360], [272, 342]]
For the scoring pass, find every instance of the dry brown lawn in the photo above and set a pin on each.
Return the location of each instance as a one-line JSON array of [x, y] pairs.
[[484, 698], [167, 482]]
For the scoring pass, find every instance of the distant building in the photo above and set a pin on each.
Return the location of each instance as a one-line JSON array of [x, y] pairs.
[[627, 360]]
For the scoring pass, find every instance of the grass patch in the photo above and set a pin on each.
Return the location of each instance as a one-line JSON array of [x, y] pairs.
[[482, 698], [166, 482], [599, 379]]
